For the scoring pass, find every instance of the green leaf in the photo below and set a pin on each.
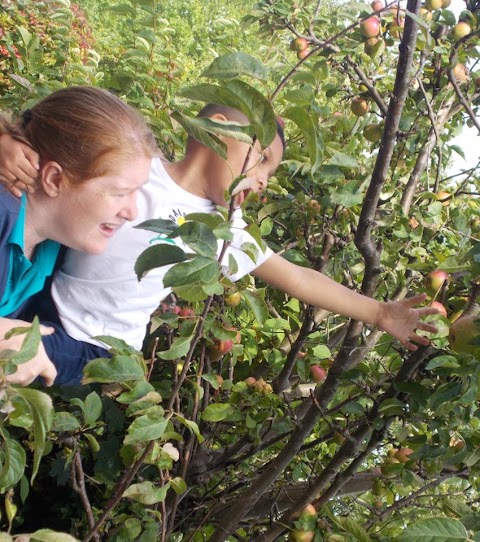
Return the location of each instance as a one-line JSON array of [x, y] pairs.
[[30, 343], [352, 527], [235, 64], [158, 225], [445, 393], [179, 348], [198, 132], [303, 119], [146, 493], [158, 256], [140, 390], [192, 426], [200, 269], [392, 407], [200, 238], [225, 128], [217, 412], [5, 537], [343, 160], [64, 421], [257, 304], [92, 408], [146, 428], [346, 198], [209, 219], [14, 462], [116, 369], [41, 408], [435, 530], [47, 535], [178, 485], [258, 110], [244, 98], [191, 293]]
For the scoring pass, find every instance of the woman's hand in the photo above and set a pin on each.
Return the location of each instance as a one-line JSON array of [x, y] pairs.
[[40, 365]]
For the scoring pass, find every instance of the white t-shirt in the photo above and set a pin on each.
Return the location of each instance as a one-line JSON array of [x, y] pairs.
[[100, 295]]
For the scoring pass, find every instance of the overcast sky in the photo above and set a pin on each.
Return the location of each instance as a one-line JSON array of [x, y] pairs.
[[469, 140]]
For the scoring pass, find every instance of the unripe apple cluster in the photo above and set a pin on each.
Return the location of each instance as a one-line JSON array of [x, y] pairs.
[[259, 385], [300, 45]]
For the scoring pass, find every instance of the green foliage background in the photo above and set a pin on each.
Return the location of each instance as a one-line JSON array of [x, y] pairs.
[[110, 448]]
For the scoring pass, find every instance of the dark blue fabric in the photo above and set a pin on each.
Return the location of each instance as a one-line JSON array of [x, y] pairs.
[[67, 354]]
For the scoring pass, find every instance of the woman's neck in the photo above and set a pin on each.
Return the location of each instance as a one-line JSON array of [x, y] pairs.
[[33, 226]]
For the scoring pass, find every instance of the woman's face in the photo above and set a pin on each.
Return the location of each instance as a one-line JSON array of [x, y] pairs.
[[91, 212]]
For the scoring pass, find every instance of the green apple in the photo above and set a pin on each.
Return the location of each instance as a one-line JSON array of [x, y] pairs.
[[359, 106], [464, 334], [373, 132], [432, 5], [299, 535]]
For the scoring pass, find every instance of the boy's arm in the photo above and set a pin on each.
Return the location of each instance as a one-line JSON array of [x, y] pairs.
[[398, 318], [40, 365], [19, 165]]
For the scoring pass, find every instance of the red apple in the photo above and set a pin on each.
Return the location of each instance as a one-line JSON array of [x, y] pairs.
[[370, 28], [298, 44], [441, 308], [186, 313], [318, 373], [463, 334], [219, 349], [309, 510], [302, 54], [377, 5], [359, 106], [436, 279]]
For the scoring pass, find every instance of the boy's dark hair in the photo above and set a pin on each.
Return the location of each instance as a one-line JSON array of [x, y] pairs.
[[234, 114]]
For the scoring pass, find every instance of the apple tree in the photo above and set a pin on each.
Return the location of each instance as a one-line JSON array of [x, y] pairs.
[[249, 415]]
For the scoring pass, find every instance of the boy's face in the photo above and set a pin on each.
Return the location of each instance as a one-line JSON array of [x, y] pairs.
[[261, 166]]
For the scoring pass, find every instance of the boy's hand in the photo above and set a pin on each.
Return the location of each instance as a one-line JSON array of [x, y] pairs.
[[18, 165], [402, 321], [40, 365]]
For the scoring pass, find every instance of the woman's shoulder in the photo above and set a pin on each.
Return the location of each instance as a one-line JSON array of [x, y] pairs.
[[8, 202], [9, 210]]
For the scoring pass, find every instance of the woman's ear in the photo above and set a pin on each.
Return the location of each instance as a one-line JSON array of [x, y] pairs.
[[50, 178]]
